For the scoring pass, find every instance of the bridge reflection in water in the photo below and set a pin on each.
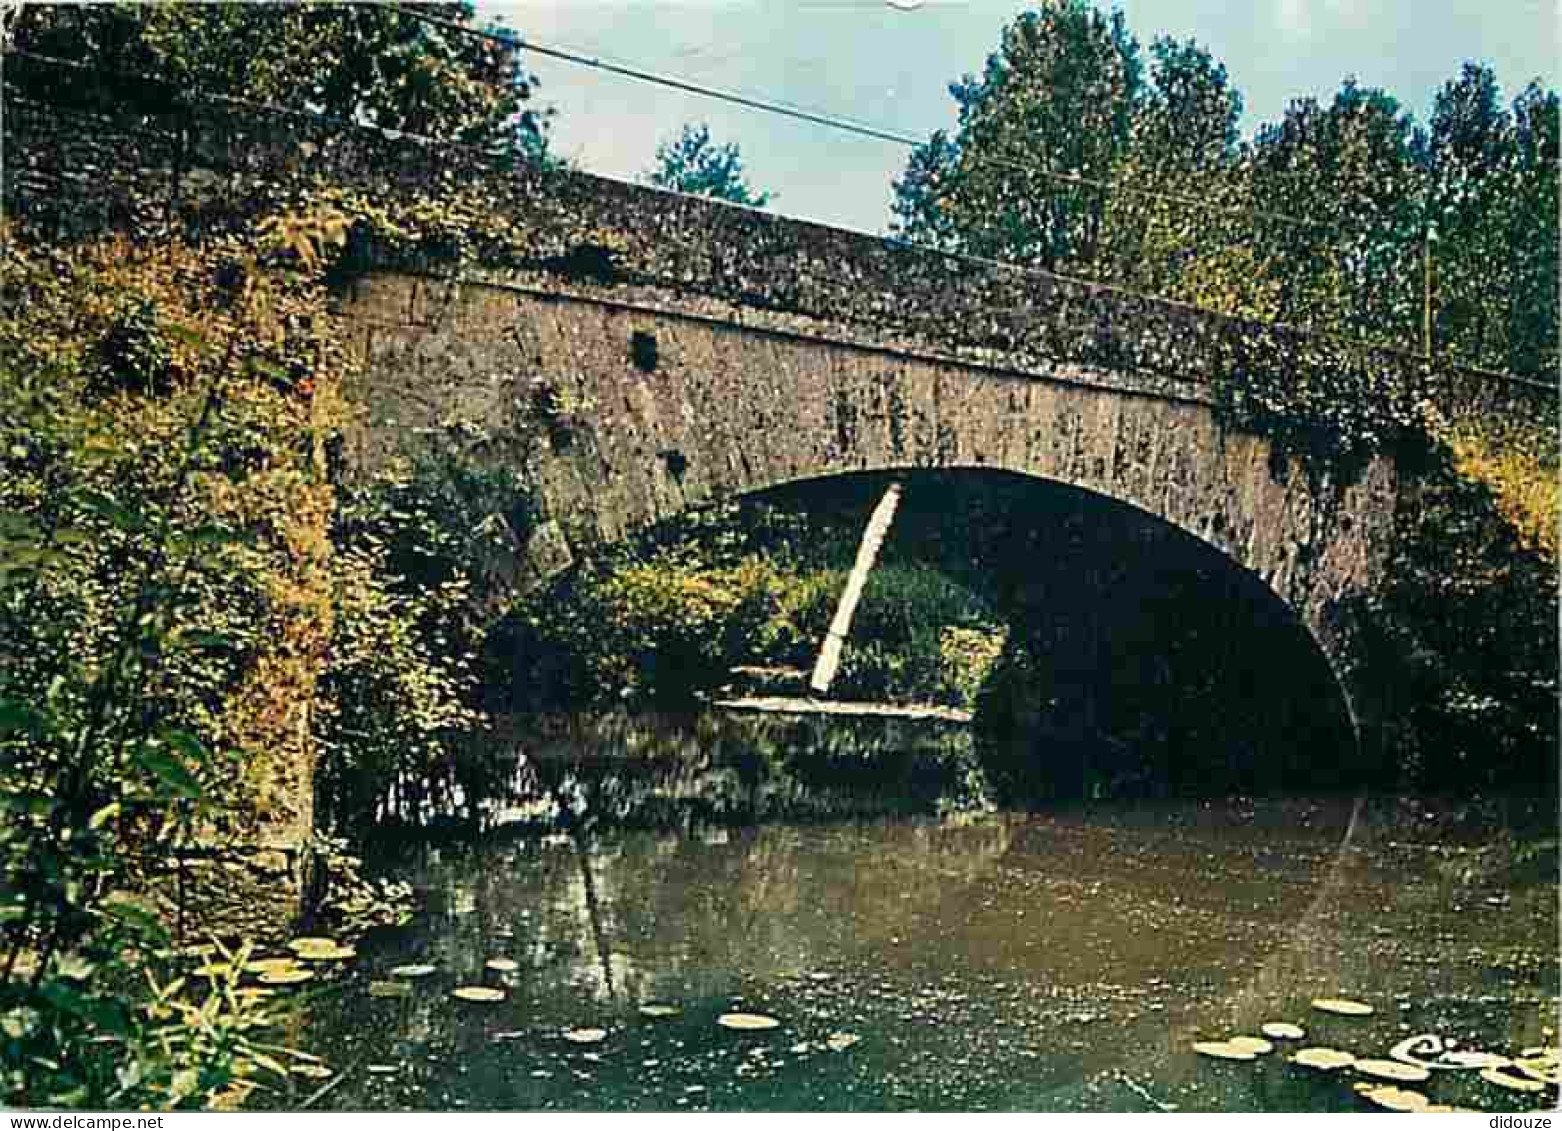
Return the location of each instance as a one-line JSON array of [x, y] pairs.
[[1063, 961]]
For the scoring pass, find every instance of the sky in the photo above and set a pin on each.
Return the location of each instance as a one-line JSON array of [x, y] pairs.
[[866, 60]]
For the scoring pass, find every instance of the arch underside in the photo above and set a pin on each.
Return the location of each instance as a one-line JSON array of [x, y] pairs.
[[649, 414]]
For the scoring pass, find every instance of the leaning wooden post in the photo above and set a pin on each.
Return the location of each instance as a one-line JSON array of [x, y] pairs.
[[867, 554]]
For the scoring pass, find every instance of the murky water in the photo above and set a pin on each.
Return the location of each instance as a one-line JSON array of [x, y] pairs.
[[1061, 961]]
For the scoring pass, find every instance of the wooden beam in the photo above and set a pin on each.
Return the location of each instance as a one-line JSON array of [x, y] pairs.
[[867, 554]]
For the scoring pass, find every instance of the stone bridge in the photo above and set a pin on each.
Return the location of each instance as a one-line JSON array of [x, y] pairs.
[[643, 352], [656, 399], [693, 351]]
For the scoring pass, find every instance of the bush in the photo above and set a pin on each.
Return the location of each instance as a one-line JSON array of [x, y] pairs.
[[1462, 636], [675, 614], [162, 612], [418, 581]]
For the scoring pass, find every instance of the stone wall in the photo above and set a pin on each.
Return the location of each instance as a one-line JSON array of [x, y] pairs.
[[665, 405], [71, 172]]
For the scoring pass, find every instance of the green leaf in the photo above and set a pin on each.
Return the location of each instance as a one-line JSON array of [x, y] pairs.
[[184, 334], [267, 369], [100, 504], [136, 912], [270, 1064], [217, 536], [187, 744], [201, 639], [170, 771]]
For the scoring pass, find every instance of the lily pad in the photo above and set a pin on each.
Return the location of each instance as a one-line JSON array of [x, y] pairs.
[[1396, 1070], [1397, 1099], [415, 970], [1343, 1006], [390, 989], [1542, 1068], [1282, 1031], [328, 954], [585, 1036], [752, 1021], [271, 965], [478, 993], [1323, 1058], [1508, 1080], [659, 1009], [285, 977], [311, 942], [1223, 1050], [1255, 1045], [502, 965]]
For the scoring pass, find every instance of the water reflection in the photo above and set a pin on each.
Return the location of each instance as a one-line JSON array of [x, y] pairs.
[[1062, 961], [711, 769]]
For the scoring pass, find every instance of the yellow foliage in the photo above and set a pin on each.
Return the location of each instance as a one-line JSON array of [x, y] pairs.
[[967, 657], [1521, 469], [198, 387]]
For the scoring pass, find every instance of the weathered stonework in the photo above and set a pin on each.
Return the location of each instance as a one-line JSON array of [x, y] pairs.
[[684, 350], [752, 400]]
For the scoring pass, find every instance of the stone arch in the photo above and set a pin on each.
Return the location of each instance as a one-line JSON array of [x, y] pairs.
[[1332, 640], [654, 405]]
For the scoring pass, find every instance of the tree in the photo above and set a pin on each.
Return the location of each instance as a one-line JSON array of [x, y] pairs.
[[1073, 155], [1076, 154], [1182, 154], [1491, 190], [1533, 286], [693, 163], [1056, 101], [1350, 262], [369, 63]]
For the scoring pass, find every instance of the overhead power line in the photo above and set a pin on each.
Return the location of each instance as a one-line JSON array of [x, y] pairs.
[[840, 122]]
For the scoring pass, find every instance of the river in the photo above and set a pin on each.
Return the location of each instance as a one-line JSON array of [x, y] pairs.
[[974, 960]]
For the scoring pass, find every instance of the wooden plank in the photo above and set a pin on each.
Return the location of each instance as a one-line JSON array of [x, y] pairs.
[[867, 554], [785, 705]]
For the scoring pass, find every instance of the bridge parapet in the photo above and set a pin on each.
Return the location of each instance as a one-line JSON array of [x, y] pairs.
[[203, 166]]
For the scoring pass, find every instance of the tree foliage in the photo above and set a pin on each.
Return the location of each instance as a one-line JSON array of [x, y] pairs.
[[191, 605], [1073, 155], [693, 163], [357, 62], [1055, 101], [163, 606], [1462, 635]]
